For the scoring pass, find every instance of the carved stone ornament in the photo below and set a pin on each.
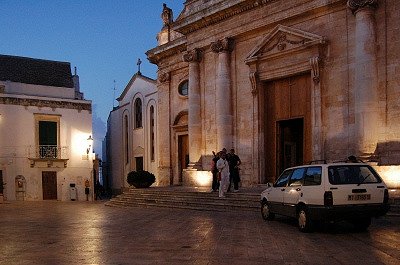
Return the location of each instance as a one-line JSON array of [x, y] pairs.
[[192, 56], [253, 80], [45, 103], [224, 45], [355, 5], [314, 62], [164, 77]]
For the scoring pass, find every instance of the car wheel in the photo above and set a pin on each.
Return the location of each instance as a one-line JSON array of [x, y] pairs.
[[304, 221], [362, 224], [266, 211]]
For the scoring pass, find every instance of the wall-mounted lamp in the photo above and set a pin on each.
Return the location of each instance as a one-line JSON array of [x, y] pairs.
[[90, 143]]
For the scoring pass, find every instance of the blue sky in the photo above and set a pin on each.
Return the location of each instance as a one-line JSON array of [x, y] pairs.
[[102, 38]]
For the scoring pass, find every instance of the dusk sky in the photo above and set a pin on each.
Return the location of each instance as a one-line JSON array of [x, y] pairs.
[[102, 38]]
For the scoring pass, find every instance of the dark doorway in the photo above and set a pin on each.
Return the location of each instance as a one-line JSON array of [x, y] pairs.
[[183, 154], [139, 163], [1, 182], [49, 185], [290, 143]]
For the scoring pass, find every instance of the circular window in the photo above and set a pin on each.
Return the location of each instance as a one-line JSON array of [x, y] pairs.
[[184, 88]]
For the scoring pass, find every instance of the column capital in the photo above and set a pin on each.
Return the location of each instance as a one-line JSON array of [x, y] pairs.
[[192, 56], [223, 45], [164, 77], [356, 5]]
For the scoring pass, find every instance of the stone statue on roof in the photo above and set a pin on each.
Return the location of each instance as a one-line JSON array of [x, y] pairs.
[[167, 15]]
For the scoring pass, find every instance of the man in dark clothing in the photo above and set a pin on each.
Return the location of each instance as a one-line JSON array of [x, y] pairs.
[[214, 171], [234, 162]]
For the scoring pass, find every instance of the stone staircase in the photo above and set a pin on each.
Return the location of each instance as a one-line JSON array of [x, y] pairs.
[[202, 199], [187, 199]]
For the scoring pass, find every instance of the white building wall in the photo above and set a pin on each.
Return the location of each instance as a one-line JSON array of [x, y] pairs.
[[18, 143], [139, 138]]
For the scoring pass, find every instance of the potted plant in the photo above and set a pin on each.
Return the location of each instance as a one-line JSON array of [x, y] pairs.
[[140, 179]]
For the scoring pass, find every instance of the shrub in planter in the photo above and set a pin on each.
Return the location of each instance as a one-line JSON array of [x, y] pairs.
[[141, 179]]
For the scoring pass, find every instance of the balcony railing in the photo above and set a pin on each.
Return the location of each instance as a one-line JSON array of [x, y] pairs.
[[51, 152]]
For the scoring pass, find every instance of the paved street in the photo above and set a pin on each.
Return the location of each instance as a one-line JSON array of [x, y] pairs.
[[52, 232]]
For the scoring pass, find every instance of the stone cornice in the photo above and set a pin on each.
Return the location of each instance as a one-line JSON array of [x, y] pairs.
[[355, 5], [171, 48], [41, 103], [217, 13]]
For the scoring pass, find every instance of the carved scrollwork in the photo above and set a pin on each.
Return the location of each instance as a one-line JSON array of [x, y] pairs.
[[314, 62], [253, 80], [192, 56], [164, 77], [355, 5], [282, 42], [224, 45]]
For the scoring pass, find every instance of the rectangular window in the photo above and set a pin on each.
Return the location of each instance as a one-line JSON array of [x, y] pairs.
[[355, 174], [48, 139], [152, 148]]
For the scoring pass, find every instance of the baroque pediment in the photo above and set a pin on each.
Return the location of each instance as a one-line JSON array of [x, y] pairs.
[[283, 40]]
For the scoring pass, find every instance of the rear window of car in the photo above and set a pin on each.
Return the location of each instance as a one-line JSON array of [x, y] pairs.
[[352, 174]]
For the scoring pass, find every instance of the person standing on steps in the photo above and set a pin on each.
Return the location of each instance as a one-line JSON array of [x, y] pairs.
[[234, 163], [223, 170], [214, 171]]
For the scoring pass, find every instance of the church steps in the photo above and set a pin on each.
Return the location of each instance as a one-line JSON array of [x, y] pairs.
[[187, 200]]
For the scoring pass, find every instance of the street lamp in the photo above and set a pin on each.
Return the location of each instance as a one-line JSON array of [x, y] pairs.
[[90, 143]]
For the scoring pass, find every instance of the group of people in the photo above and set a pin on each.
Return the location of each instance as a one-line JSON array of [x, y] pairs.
[[225, 171]]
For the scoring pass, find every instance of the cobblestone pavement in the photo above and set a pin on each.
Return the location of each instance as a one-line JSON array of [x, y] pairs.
[[90, 233]]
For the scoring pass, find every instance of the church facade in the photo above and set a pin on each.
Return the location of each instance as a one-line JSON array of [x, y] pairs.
[[132, 131], [282, 82]]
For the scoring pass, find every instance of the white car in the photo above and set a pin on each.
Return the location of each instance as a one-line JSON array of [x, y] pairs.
[[327, 192]]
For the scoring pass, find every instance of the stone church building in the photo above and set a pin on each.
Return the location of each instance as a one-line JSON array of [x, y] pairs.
[[282, 82]]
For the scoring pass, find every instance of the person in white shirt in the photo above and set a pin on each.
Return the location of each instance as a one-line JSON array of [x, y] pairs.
[[223, 169]]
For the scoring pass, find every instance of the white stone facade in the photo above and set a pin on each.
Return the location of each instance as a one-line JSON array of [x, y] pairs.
[[263, 72]]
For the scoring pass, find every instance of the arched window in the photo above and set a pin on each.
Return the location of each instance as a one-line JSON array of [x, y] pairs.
[[126, 136], [138, 113], [152, 140], [183, 88]]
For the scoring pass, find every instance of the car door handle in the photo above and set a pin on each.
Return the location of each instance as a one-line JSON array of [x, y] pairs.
[[283, 189]]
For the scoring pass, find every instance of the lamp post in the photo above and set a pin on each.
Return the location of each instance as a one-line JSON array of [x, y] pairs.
[[90, 144]]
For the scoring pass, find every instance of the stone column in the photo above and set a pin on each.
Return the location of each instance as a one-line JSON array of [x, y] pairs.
[[165, 176], [366, 105], [223, 95], [194, 113]]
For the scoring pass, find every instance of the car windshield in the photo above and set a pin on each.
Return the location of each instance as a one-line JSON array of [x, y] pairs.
[[352, 174]]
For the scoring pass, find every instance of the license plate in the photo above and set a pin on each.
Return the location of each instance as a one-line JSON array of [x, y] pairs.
[[359, 197]]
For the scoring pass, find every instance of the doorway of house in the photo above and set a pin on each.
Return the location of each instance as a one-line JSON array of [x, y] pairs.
[[290, 143], [49, 185], [183, 155], [1, 182]]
